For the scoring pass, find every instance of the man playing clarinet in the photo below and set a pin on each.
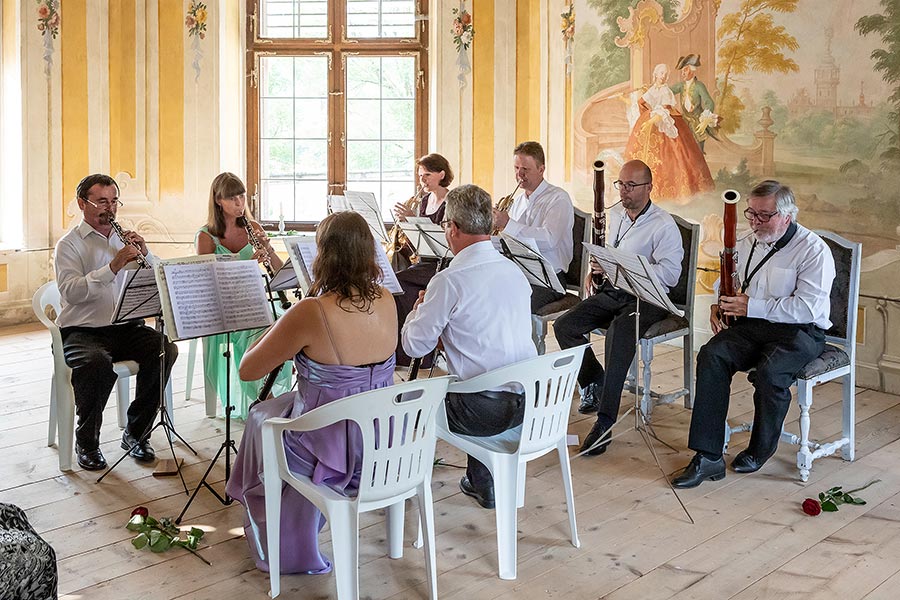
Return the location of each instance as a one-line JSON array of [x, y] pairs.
[[780, 315], [90, 264], [640, 227]]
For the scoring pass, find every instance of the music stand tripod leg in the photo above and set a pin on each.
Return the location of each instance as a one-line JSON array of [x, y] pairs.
[[164, 420], [227, 445]]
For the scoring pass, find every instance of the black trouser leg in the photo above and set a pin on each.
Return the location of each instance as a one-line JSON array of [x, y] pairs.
[[620, 348], [88, 353], [482, 415], [412, 280], [541, 295], [574, 328]]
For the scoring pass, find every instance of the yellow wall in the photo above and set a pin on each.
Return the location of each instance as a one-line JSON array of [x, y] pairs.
[[121, 88], [483, 95], [171, 97], [528, 70], [73, 55]]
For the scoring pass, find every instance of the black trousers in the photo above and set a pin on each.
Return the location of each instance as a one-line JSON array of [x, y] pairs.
[[541, 296], [613, 310], [481, 415], [90, 353], [777, 351], [413, 280]]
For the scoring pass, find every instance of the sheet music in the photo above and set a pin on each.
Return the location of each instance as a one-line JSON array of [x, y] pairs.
[[634, 274], [537, 270], [429, 239], [204, 295], [138, 298], [303, 252], [418, 221], [337, 204], [366, 205], [285, 279]]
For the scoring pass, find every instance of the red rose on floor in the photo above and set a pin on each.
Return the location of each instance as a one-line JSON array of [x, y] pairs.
[[140, 510], [812, 507]]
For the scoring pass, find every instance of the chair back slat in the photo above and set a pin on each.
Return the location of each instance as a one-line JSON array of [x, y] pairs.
[[547, 406], [581, 232], [682, 295], [844, 291]]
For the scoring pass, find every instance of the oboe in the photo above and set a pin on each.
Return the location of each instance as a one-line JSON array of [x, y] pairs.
[[728, 259], [257, 244], [141, 260], [598, 224]]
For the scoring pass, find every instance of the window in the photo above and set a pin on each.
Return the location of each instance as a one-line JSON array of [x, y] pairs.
[[336, 100]]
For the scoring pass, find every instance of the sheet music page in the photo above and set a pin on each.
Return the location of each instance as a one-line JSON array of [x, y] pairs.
[[285, 279], [304, 253], [245, 303], [138, 298], [194, 303], [536, 268], [388, 277], [420, 221], [299, 255], [337, 204], [632, 273], [365, 204]]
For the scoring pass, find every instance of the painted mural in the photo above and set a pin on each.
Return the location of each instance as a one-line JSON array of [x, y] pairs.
[[717, 94]]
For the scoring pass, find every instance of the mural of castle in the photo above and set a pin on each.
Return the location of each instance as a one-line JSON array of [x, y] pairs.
[[827, 80]]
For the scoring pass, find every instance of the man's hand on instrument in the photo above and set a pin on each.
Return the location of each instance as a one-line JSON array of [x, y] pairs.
[[715, 322], [401, 212], [133, 237], [419, 300], [734, 306], [501, 218], [595, 269], [123, 257]]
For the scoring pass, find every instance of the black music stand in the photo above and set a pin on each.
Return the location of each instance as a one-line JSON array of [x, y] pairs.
[[537, 270], [633, 274], [139, 299]]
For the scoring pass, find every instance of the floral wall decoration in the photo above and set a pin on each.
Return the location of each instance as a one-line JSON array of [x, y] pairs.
[[463, 33], [48, 24], [568, 33], [195, 21]]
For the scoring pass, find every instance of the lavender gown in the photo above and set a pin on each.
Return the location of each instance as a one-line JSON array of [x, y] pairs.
[[331, 456]]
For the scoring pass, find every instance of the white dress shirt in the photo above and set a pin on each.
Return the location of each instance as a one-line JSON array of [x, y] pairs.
[[654, 235], [794, 286], [480, 308], [546, 217], [88, 288]]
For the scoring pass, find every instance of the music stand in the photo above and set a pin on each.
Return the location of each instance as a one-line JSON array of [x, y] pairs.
[[139, 299], [428, 239], [204, 296], [634, 274], [537, 270]]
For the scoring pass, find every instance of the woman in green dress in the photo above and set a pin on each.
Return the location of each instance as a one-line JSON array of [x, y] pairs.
[[222, 235]]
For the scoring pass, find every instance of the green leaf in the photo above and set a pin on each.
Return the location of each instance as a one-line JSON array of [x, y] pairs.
[[829, 506], [135, 524], [161, 544], [821, 497], [140, 541], [197, 533], [859, 501]]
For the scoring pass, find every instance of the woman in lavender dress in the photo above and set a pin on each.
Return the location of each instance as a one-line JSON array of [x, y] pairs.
[[342, 339]]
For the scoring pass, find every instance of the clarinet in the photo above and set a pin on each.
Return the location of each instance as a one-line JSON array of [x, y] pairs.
[[728, 259], [141, 260], [598, 224], [242, 221]]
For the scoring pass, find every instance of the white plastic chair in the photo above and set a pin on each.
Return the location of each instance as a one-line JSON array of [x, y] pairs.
[[209, 388], [549, 382], [398, 433], [62, 396]]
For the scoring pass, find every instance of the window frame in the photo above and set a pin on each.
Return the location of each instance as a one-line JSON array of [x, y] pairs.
[[336, 47]]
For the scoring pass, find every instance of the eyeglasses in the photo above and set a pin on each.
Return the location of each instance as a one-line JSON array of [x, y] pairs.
[[762, 217], [445, 222], [628, 185], [105, 204]]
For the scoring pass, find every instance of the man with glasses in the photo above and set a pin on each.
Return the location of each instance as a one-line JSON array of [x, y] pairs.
[[544, 213], [478, 308], [780, 317], [90, 264], [637, 226]]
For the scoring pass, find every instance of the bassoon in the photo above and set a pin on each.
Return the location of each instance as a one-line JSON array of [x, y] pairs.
[[728, 258], [598, 223]]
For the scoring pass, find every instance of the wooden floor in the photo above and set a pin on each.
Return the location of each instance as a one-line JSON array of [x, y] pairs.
[[750, 540]]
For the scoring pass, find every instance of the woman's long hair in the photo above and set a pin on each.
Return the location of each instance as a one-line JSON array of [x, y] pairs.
[[345, 262], [225, 185]]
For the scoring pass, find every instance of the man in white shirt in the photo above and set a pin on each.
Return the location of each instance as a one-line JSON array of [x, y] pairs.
[[544, 213], [478, 307], [639, 227], [780, 317], [90, 270]]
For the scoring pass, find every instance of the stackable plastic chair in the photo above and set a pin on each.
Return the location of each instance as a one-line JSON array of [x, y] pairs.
[[209, 388], [62, 396], [548, 382], [398, 433]]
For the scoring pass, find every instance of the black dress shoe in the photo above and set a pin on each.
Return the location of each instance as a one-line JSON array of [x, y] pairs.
[[745, 462], [90, 460], [590, 399], [484, 497], [699, 470], [597, 431], [141, 451]]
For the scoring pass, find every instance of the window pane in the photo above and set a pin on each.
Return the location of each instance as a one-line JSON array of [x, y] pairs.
[[381, 127], [381, 18], [293, 19], [293, 137]]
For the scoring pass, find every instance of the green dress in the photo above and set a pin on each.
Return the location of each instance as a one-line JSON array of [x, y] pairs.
[[243, 393]]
